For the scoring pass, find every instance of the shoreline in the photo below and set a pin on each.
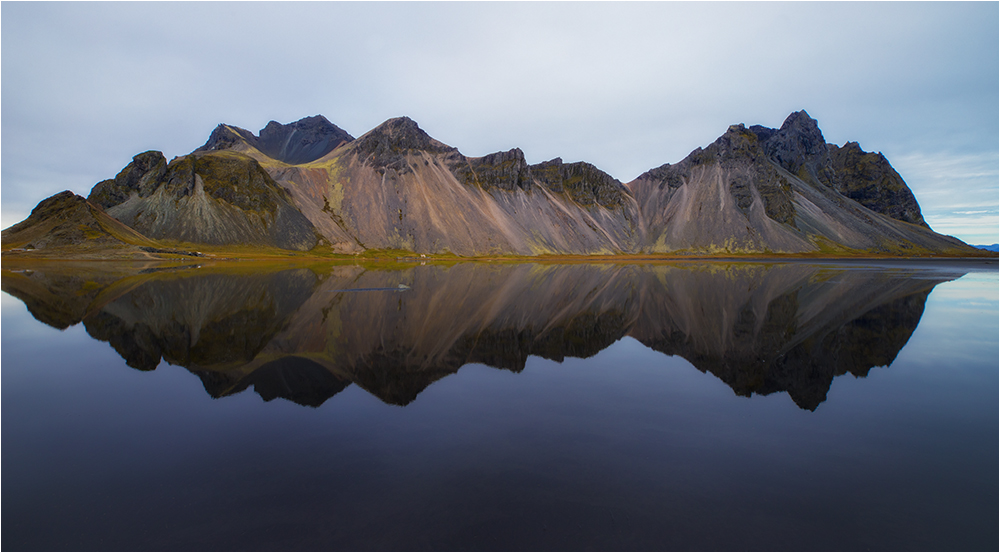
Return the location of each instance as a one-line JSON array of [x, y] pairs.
[[407, 258]]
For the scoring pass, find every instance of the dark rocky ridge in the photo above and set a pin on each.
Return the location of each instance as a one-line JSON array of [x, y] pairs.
[[141, 176], [867, 178], [502, 170], [584, 183], [387, 145], [305, 140], [509, 171], [227, 137], [799, 147]]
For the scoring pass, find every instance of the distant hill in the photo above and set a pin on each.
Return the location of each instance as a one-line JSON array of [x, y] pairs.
[[309, 184], [991, 247]]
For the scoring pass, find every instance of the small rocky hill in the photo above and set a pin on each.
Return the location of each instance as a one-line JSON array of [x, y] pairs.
[[68, 226]]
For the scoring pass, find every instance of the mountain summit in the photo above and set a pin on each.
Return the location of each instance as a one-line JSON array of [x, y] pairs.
[[305, 140], [762, 190], [755, 190]]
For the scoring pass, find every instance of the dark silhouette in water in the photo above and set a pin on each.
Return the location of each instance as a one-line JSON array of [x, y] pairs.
[[305, 335]]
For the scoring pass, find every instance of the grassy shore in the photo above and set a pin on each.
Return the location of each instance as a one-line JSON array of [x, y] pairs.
[[219, 254]]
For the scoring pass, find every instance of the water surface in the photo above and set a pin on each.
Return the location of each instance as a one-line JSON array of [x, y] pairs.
[[691, 405]]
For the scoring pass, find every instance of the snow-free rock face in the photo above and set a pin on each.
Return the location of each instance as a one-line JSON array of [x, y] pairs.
[[218, 197], [303, 141], [799, 148], [867, 178], [762, 190], [140, 177], [398, 188], [726, 198]]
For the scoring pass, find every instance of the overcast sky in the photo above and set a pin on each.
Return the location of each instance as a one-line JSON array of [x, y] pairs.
[[624, 86]]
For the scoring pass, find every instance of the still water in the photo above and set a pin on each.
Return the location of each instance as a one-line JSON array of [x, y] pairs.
[[732, 406]]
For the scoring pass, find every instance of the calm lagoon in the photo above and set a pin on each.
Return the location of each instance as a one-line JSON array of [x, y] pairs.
[[674, 406]]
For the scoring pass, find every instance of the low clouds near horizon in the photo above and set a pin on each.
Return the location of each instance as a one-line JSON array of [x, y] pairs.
[[626, 86]]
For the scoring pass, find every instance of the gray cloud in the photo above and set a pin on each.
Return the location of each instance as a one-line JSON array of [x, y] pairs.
[[625, 86]]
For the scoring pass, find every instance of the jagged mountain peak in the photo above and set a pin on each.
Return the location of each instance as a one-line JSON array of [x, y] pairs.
[[312, 121], [798, 125], [401, 131], [513, 153], [738, 142], [387, 143], [305, 140], [801, 121], [227, 137], [504, 170], [57, 202], [853, 147], [583, 182], [396, 123], [798, 142], [869, 179], [141, 176], [513, 157]]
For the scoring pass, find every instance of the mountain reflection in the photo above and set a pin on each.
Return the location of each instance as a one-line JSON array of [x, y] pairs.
[[306, 333]]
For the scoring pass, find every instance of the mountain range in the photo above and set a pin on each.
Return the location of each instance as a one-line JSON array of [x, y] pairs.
[[310, 186]]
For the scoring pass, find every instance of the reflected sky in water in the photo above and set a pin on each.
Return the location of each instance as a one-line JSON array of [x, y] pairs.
[[430, 446]]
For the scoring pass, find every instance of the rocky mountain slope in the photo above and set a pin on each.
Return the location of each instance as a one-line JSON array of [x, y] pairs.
[[218, 197], [754, 190], [397, 188], [782, 191]]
